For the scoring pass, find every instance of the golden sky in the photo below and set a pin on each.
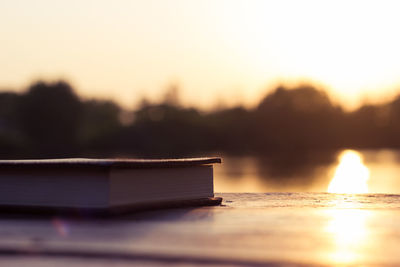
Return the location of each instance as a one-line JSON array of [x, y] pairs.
[[217, 51]]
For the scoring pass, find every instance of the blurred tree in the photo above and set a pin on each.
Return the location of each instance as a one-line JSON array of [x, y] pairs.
[[165, 130], [49, 120], [8, 109], [99, 126], [171, 96], [364, 129], [391, 119], [301, 118], [50, 116], [230, 130], [11, 138]]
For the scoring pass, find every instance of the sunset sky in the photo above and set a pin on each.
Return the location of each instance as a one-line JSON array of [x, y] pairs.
[[216, 51]]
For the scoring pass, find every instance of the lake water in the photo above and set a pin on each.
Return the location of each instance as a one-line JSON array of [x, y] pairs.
[[365, 171]]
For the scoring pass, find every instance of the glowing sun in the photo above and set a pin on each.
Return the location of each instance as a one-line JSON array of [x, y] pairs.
[[351, 175]]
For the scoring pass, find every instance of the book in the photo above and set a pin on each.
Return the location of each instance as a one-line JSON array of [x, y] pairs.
[[105, 185]]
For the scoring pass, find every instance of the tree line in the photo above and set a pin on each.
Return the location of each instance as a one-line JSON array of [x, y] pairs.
[[51, 120]]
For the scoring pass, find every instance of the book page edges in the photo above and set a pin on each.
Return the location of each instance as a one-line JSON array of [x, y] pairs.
[[143, 186]]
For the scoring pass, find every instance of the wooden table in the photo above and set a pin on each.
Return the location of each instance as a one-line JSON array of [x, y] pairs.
[[247, 230]]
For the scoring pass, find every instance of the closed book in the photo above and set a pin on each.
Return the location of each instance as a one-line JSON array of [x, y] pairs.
[[105, 185]]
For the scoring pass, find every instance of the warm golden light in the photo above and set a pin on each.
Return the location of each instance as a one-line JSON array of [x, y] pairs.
[[131, 49], [351, 175], [349, 230]]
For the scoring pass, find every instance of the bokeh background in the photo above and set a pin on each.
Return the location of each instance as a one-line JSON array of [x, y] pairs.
[[282, 90]]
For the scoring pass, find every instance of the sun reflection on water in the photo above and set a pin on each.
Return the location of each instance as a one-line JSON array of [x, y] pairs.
[[350, 234], [347, 225], [351, 175]]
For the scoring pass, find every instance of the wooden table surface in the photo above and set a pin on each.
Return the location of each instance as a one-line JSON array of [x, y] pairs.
[[247, 230]]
